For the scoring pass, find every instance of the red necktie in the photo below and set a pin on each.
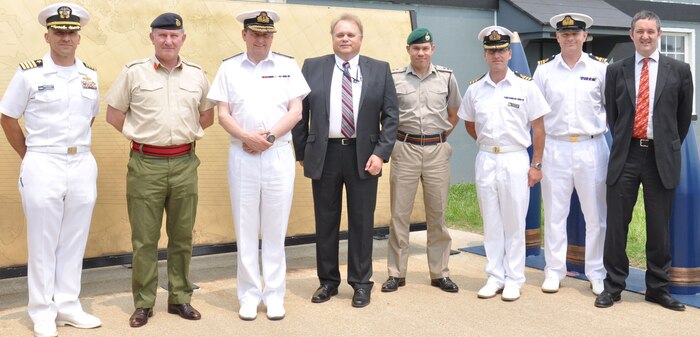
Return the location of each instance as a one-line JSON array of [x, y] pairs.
[[347, 126], [641, 116]]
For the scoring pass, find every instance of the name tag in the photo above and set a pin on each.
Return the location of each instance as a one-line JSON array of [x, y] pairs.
[[514, 98], [584, 78], [511, 104], [276, 76], [45, 87]]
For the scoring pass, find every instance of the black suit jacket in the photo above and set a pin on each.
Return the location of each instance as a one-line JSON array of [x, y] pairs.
[[378, 105], [673, 104]]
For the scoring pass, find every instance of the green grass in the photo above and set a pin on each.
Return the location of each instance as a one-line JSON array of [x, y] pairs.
[[463, 213]]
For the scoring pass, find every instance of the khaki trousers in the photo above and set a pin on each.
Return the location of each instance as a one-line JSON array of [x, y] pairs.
[[430, 165], [155, 184]]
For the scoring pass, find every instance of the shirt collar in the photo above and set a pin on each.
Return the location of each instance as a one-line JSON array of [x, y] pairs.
[[268, 58], [638, 57], [51, 67], [353, 61], [157, 64], [409, 70], [510, 75]]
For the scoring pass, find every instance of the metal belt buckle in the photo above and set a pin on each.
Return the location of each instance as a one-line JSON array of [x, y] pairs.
[[573, 138], [72, 150], [345, 141], [643, 143], [496, 149]]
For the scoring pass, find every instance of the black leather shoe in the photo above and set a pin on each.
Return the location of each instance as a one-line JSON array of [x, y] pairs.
[[140, 317], [445, 284], [665, 300], [324, 293], [606, 299], [185, 311], [393, 284], [361, 298]]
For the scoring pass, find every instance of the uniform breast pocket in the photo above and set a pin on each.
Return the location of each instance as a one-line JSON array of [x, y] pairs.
[[148, 94], [190, 94], [46, 105], [89, 100], [408, 99], [437, 101]]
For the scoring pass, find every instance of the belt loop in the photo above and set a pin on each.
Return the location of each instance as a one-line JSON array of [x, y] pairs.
[[192, 154], [140, 150]]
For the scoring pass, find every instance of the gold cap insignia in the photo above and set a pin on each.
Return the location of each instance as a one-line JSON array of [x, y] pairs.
[[64, 12], [263, 18], [494, 36], [178, 23], [568, 21]]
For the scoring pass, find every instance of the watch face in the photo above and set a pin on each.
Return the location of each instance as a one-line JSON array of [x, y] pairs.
[[271, 138]]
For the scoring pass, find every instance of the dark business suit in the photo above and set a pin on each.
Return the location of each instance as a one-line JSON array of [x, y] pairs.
[[657, 167], [331, 165]]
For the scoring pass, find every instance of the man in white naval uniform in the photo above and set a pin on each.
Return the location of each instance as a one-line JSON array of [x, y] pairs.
[[499, 109], [576, 154], [259, 97], [58, 97]]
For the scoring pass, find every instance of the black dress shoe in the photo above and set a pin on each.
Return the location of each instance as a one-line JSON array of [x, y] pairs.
[[393, 283], [606, 299], [324, 293], [361, 298], [445, 284], [140, 317], [665, 300], [185, 311]]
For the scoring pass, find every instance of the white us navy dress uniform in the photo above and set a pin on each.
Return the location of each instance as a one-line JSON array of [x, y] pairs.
[[57, 179], [261, 184], [502, 113], [575, 155]]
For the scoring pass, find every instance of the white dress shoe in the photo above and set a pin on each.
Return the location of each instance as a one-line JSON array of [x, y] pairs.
[[550, 285], [81, 320], [510, 293], [597, 286], [275, 312], [45, 329], [248, 312], [489, 290]]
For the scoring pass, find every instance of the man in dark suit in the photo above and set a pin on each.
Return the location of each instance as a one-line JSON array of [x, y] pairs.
[[339, 142], [649, 100]]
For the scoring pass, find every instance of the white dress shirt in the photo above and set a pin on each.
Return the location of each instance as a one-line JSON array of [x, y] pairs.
[[335, 117], [653, 71]]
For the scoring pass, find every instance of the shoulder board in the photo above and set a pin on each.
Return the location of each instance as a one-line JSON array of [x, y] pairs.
[[445, 69], [287, 56], [525, 77], [398, 70], [230, 57], [133, 63], [31, 64], [598, 58], [89, 66], [477, 79], [191, 64], [540, 62]]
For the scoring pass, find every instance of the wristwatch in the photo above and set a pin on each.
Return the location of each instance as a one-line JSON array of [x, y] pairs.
[[271, 138], [536, 166]]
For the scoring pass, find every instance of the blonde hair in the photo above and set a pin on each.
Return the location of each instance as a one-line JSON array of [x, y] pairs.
[[347, 17]]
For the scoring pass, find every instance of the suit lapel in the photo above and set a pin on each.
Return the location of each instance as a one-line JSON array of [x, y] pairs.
[[365, 69], [628, 73], [328, 68], [661, 76]]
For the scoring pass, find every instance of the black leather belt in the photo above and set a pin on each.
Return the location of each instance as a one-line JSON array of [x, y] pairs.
[[342, 141], [643, 142], [421, 139]]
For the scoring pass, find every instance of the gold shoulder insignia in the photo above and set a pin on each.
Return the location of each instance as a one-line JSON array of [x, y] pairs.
[[525, 77], [477, 79], [598, 58], [445, 69], [230, 57], [31, 64], [398, 70], [89, 67], [133, 63], [541, 62], [192, 64], [287, 56]]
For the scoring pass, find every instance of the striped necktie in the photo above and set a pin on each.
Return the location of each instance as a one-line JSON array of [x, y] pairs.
[[347, 126], [641, 116]]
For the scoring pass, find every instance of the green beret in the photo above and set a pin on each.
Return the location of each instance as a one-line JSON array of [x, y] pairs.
[[419, 35]]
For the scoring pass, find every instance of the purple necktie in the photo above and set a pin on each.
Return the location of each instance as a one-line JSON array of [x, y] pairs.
[[347, 127]]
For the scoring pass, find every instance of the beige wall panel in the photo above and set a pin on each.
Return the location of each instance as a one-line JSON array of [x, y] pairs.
[[117, 34]]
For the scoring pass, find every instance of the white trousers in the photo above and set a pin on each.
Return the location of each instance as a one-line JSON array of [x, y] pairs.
[[565, 166], [261, 187], [504, 195], [58, 195]]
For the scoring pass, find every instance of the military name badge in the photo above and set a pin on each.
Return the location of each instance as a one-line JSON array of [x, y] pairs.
[[45, 87], [513, 105], [88, 83], [584, 78], [276, 76]]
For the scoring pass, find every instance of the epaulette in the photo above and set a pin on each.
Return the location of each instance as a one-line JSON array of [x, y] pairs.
[[192, 64], [598, 58], [89, 67], [398, 70], [541, 62], [477, 79], [230, 57], [31, 64], [445, 69], [525, 77], [133, 63], [287, 56]]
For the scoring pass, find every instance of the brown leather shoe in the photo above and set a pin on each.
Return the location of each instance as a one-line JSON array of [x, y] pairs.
[[185, 311], [140, 317]]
